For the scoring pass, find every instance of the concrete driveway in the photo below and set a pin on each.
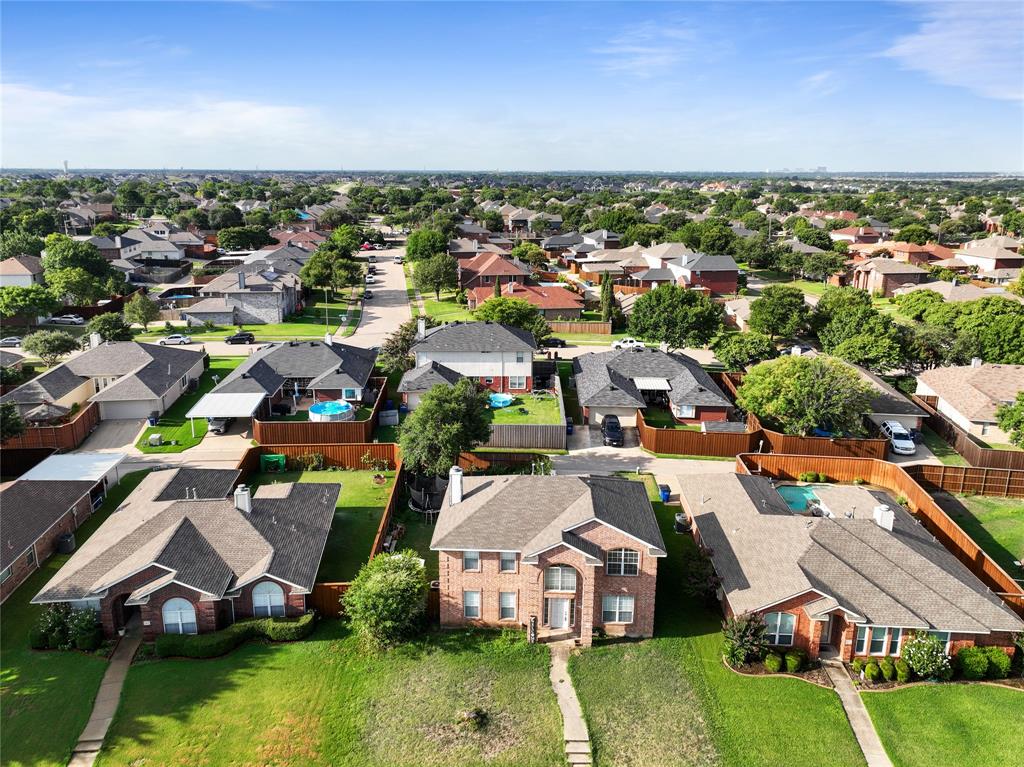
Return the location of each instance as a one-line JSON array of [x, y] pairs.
[[609, 460], [389, 306], [114, 437]]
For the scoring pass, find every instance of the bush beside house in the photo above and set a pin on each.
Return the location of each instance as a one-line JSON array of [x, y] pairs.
[[221, 642]]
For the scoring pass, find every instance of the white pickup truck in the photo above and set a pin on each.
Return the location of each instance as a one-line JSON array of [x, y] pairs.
[[628, 343]]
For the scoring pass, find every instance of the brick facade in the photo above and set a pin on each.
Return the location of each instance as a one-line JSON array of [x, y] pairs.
[[501, 384], [527, 582]]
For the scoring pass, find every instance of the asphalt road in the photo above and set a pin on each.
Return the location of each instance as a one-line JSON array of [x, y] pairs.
[[389, 306]]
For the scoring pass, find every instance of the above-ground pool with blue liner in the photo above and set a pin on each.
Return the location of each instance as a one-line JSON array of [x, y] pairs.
[[501, 400], [330, 408]]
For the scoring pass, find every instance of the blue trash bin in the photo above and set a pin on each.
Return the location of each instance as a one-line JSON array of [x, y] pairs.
[[665, 492], [568, 426]]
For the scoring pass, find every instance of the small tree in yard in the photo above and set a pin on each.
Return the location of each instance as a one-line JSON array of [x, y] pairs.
[[50, 345], [926, 656], [448, 421], [11, 424], [1011, 419], [110, 327], [386, 601], [394, 352], [746, 639], [141, 311], [437, 273], [607, 299], [514, 312]]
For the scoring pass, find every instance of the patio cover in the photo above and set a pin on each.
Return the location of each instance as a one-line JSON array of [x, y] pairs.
[[652, 384], [227, 405]]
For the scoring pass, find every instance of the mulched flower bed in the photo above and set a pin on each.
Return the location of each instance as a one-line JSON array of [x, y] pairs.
[[813, 673]]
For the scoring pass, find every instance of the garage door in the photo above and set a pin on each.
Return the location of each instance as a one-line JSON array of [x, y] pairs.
[[627, 416], [110, 411]]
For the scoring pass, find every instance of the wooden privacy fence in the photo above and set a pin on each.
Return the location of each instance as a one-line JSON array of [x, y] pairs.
[[600, 328], [487, 460], [542, 436], [1005, 483], [964, 443], [67, 436], [321, 432], [325, 598], [686, 442], [895, 479]]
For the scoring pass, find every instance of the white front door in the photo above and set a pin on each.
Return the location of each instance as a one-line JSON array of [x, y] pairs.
[[559, 614]]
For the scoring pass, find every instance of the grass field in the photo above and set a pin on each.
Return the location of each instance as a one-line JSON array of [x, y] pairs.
[[995, 524], [356, 518], [976, 725], [539, 410], [942, 449], [174, 426], [447, 309], [46, 697], [661, 418], [327, 701], [685, 707], [570, 399]]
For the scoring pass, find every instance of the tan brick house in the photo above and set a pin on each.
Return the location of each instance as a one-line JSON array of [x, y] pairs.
[[188, 556], [837, 568], [567, 556]]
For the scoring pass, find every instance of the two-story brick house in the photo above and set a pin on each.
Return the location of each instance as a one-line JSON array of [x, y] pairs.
[[562, 556], [498, 357]]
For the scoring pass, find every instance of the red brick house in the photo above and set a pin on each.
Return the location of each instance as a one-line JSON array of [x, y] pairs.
[[841, 568], [883, 276], [552, 301], [483, 270], [188, 557], [857, 234], [565, 556]]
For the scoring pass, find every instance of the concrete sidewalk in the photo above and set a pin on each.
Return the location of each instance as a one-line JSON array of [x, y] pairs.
[[857, 713], [574, 728]]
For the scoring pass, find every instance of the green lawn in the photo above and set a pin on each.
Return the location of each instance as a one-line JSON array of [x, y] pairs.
[[590, 339], [569, 397], [326, 701], [995, 524], [447, 309], [976, 725], [308, 327], [539, 409], [356, 518], [662, 418], [46, 697], [174, 426], [685, 707], [942, 449]]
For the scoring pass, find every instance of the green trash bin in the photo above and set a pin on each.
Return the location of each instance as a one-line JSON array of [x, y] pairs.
[[272, 462]]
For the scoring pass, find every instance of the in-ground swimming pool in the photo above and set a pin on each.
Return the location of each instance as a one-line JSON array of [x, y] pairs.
[[797, 497], [501, 400], [335, 410]]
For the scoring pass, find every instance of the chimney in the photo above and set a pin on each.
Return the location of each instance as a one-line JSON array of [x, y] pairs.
[[328, 338], [976, 362], [884, 517], [243, 499], [241, 279], [95, 339], [421, 328], [455, 485]]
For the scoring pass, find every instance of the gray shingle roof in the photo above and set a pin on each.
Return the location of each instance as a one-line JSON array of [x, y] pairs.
[[529, 514], [426, 377], [475, 337], [203, 484], [904, 577], [29, 508], [328, 366], [606, 379]]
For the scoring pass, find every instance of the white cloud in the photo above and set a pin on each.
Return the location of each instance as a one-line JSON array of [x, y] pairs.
[[822, 83], [647, 49], [978, 46]]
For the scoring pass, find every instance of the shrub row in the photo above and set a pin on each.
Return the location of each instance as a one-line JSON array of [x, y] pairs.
[[224, 641], [812, 476], [794, 661], [983, 663]]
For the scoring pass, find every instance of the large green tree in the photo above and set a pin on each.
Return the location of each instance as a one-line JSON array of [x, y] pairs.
[[738, 350], [448, 421], [1011, 419], [62, 252], [141, 311], [26, 301], [244, 238], [676, 316], [915, 304], [437, 273], [11, 423], [516, 313], [110, 327], [76, 286], [530, 253], [424, 243], [15, 243], [50, 345], [800, 394], [779, 312], [915, 233]]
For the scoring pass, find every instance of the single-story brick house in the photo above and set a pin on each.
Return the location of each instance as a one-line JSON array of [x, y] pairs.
[[883, 276], [856, 576], [190, 557], [622, 381], [563, 555]]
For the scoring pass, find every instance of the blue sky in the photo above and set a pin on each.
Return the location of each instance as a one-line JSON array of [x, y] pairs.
[[906, 86]]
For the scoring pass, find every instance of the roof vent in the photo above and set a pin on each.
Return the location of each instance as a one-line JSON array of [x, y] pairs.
[[243, 499], [884, 517]]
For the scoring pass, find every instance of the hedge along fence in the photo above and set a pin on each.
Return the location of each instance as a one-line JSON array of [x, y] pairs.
[[224, 641], [921, 504], [964, 443]]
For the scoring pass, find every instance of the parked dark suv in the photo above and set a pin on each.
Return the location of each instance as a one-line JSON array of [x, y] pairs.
[[241, 338], [611, 430]]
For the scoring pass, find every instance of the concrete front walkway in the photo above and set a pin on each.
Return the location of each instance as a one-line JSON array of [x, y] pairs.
[[91, 740], [574, 728], [857, 713]]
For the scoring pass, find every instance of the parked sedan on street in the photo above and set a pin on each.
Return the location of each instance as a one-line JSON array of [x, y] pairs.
[[553, 342], [67, 319], [10, 341], [241, 338], [178, 338]]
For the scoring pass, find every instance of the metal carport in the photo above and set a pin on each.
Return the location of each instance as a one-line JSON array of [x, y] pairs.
[[225, 405]]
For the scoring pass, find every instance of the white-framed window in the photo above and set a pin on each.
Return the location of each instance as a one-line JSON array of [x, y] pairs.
[[877, 640], [470, 561], [861, 644], [507, 605], [878, 643], [942, 636], [6, 573], [349, 394], [780, 628], [686, 411], [616, 608], [85, 604], [267, 600], [560, 578], [30, 558], [517, 382], [471, 604], [507, 562], [894, 641], [179, 616], [623, 562], [520, 357]]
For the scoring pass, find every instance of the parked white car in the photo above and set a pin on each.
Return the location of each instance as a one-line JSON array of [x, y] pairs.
[[178, 338], [67, 319], [628, 343], [397, 259], [370, 279], [899, 438]]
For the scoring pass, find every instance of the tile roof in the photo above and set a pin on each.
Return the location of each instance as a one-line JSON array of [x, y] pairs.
[[764, 554], [475, 337], [975, 392], [529, 514], [28, 508]]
